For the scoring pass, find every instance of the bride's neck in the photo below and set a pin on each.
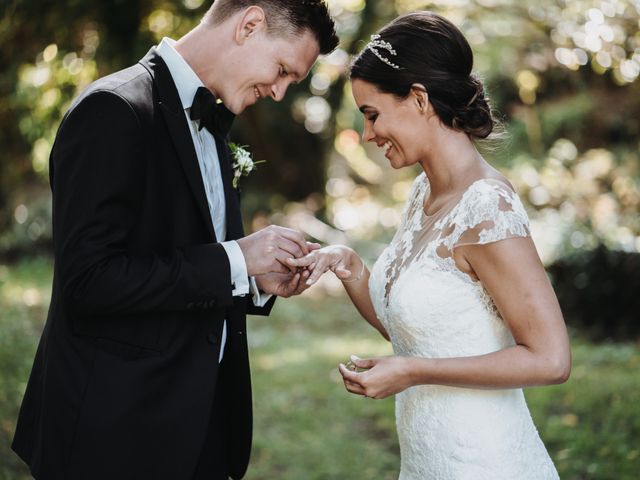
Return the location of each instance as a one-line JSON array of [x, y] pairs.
[[451, 163]]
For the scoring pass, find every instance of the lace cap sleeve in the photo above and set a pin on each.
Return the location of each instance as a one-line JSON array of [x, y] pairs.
[[488, 212]]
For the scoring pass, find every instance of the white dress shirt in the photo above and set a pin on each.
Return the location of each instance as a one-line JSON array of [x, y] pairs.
[[187, 83]]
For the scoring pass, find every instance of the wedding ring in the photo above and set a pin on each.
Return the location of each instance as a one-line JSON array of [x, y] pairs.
[[351, 366], [354, 368]]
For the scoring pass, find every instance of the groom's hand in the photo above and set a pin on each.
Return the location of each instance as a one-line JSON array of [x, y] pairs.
[[283, 284], [267, 250]]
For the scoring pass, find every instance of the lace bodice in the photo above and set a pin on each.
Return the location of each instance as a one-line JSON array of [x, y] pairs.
[[430, 308], [488, 211]]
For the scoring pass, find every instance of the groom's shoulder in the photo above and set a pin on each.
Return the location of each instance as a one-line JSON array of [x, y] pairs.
[[130, 79], [132, 85]]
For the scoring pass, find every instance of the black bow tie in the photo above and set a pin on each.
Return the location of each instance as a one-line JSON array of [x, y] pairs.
[[213, 116]]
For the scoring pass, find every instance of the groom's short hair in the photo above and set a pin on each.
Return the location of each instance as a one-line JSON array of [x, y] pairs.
[[285, 17]]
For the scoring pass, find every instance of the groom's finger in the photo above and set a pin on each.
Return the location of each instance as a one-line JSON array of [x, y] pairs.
[[302, 284], [282, 257], [290, 247], [294, 236], [291, 286], [313, 246], [297, 286]]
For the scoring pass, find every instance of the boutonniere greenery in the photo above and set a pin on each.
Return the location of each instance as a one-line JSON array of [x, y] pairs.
[[243, 164]]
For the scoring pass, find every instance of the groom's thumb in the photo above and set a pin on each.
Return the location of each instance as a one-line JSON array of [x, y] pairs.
[[361, 362]]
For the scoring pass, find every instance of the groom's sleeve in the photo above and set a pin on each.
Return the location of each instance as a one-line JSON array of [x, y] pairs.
[[258, 298], [239, 277], [98, 176], [260, 302]]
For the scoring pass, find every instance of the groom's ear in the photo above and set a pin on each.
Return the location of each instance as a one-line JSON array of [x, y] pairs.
[[250, 22]]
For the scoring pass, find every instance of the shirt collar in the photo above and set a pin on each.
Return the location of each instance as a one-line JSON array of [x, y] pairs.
[[185, 79]]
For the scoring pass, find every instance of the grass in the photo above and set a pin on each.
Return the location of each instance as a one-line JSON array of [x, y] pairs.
[[306, 425], [25, 290]]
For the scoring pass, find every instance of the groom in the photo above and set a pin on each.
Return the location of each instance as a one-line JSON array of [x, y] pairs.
[[142, 371]]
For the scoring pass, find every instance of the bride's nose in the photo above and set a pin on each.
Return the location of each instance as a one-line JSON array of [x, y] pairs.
[[367, 133]]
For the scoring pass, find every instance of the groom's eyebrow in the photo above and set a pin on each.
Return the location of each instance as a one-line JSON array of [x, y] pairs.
[[298, 76]]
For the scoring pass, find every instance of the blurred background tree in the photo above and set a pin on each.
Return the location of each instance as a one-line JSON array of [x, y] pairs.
[[562, 75]]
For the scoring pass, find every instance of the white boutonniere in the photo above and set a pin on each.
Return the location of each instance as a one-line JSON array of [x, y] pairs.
[[243, 164]]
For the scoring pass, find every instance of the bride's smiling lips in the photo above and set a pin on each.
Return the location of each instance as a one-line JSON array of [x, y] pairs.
[[387, 146]]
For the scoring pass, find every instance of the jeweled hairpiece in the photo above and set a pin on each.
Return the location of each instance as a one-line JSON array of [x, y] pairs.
[[377, 43]]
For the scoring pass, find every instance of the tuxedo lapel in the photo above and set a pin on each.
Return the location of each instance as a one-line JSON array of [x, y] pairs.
[[174, 116]]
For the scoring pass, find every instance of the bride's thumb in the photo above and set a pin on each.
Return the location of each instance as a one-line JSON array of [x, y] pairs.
[[361, 362], [342, 273]]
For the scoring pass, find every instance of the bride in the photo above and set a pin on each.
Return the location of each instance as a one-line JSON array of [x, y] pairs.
[[460, 292]]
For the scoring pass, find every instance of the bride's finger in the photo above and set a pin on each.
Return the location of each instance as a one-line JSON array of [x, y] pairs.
[[355, 389], [352, 386], [349, 375], [302, 261], [320, 268]]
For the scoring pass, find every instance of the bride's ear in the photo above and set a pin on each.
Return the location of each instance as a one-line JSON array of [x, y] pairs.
[[249, 23], [420, 97]]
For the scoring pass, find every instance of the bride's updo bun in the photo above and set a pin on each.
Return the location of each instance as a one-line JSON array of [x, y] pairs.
[[429, 50]]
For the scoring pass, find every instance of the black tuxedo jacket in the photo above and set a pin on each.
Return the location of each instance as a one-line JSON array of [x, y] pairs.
[[124, 377]]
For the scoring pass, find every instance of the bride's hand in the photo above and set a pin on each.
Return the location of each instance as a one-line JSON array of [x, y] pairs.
[[340, 259], [384, 376]]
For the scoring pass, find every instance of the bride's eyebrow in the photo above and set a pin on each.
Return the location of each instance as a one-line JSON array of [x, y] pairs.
[[363, 108]]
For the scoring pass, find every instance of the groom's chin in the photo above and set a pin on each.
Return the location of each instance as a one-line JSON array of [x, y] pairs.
[[237, 109]]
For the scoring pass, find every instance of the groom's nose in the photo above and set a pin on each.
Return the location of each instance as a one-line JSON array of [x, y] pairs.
[[278, 90]]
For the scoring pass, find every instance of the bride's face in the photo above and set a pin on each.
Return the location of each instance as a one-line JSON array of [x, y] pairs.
[[395, 125]]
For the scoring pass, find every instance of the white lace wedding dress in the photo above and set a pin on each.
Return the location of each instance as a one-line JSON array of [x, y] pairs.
[[432, 309]]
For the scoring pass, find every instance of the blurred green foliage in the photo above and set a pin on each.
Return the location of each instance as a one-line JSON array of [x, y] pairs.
[[555, 70]]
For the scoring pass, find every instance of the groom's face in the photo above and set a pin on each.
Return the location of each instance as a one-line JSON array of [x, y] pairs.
[[269, 64]]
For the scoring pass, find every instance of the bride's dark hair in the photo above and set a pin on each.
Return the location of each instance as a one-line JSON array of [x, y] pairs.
[[431, 51]]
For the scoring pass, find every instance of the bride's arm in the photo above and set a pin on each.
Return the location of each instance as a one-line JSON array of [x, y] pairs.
[[351, 270], [513, 275]]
